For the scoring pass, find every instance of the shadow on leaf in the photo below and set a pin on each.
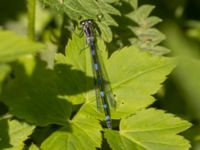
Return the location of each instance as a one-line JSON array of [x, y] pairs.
[[37, 92]]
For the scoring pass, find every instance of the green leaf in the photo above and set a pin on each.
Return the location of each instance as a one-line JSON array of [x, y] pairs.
[[148, 40], [79, 134], [136, 28], [151, 21], [4, 70], [35, 95], [33, 147], [13, 134], [140, 76], [80, 82], [149, 36], [133, 3], [110, 1], [100, 11], [12, 46], [142, 13], [158, 50], [106, 32], [149, 129]]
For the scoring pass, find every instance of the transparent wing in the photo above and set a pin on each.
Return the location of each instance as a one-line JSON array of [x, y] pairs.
[[97, 91], [107, 86]]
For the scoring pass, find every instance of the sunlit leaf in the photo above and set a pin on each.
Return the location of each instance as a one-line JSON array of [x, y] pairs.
[[33, 147], [79, 134], [149, 129], [13, 134]]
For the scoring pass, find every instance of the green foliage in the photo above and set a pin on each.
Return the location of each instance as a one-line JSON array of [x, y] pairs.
[[41, 96], [13, 46], [82, 133], [97, 10], [13, 134], [187, 69], [33, 147], [140, 131], [55, 109], [4, 69], [194, 30], [131, 95], [144, 34]]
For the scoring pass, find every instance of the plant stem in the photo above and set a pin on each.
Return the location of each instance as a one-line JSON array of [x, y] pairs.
[[31, 18], [64, 35]]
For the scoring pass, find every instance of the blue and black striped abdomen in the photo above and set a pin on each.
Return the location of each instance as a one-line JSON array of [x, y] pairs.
[[100, 84], [99, 80]]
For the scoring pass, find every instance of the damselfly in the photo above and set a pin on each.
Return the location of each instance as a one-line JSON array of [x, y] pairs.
[[99, 81]]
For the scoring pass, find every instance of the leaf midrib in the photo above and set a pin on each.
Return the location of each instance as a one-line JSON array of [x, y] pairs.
[[155, 129], [117, 85]]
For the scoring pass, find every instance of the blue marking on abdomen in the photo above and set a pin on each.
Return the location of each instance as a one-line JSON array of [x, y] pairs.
[[99, 80], [93, 53], [108, 118], [96, 66], [105, 106], [102, 93]]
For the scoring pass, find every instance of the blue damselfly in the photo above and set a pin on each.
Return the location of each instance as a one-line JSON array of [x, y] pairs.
[[102, 95]]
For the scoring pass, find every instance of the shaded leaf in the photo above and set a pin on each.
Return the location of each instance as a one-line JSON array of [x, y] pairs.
[[193, 135], [12, 46], [106, 32], [142, 13], [188, 71], [100, 11], [148, 37], [136, 28], [186, 75], [151, 21], [36, 94], [4, 69]]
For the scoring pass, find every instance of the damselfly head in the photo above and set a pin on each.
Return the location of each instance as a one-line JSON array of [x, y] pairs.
[[86, 23]]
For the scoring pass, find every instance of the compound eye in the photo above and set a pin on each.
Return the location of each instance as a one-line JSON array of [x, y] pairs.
[[82, 23], [90, 22]]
